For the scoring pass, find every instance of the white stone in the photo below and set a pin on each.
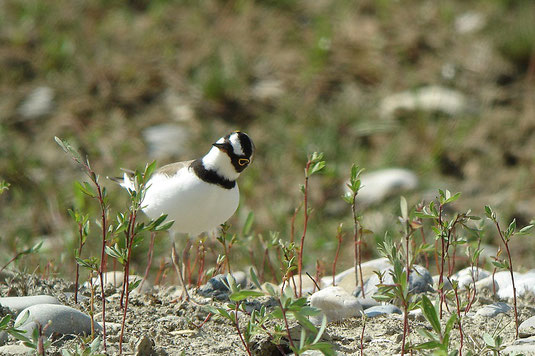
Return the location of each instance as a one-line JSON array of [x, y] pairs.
[[525, 349], [378, 185], [63, 320], [377, 264], [166, 140], [13, 350], [335, 303], [464, 277], [115, 279], [267, 89], [491, 310], [469, 22], [38, 103], [17, 304], [527, 327], [524, 283], [430, 98]]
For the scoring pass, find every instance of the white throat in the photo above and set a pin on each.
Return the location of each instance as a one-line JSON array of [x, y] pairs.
[[219, 161]]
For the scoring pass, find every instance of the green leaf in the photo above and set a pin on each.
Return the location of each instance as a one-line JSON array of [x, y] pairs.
[[404, 208], [430, 313], [489, 340], [304, 321], [254, 278], [525, 230], [248, 224], [490, 213], [86, 188], [244, 294], [430, 345], [451, 199], [5, 321], [22, 320], [317, 167], [165, 226], [133, 285], [325, 347], [449, 325], [321, 330]]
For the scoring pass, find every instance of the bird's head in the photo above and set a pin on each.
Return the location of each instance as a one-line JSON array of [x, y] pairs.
[[231, 154]]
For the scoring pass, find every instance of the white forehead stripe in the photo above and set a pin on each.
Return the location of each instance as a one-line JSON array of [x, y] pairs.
[[236, 145]]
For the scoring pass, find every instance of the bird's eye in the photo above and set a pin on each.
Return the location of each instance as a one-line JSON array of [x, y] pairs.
[[243, 161]]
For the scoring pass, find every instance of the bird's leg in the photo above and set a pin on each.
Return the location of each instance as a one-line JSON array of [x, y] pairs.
[[186, 259], [178, 268]]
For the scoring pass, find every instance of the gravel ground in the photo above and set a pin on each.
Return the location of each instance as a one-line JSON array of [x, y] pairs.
[[174, 327]]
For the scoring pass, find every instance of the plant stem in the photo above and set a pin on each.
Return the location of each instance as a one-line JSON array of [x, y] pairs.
[[126, 283], [149, 257], [237, 325], [301, 247], [362, 334], [80, 231], [102, 256], [356, 240], [339, 238], [458, 303], [286, 324], [506, 243]]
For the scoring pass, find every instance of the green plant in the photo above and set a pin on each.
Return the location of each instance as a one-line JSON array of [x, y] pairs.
[[494, 341], [14, 329], [261, 321], [354, 185], [128, 234], [339, 236], [315, 164], [38, 342], [440, 340], [83, 231], [226, 240], [85, 349], [96, 191], [399, 289], [91, 264], [446, 232], [31, 250], [3, 186], [505, 237]]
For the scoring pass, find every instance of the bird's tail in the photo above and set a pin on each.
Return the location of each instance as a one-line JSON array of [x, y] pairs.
[[126, 181]]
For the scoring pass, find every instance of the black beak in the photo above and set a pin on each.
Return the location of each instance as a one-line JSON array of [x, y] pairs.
[[222, 146]]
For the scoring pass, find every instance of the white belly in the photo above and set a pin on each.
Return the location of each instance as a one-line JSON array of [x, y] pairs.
[[194, 205]]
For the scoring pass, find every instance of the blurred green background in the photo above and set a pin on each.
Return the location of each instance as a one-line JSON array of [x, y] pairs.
[[444, 89]]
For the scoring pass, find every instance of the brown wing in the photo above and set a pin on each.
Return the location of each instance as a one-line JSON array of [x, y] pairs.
[[172, 168]]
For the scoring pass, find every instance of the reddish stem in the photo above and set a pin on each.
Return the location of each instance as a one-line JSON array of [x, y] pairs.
[[339, 238], [301, 247]]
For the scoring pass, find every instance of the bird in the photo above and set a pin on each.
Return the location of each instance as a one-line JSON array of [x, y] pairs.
[[198, 195]]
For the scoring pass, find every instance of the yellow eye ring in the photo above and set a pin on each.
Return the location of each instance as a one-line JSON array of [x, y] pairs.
[[243, 161]]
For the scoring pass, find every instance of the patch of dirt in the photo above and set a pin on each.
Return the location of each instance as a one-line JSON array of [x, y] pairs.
[[176, 327]]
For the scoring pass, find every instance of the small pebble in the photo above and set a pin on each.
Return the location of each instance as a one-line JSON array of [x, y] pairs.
[[381, 184], [335, 303], [64, 320], [216, 286], [368, 303], [490, 311], [17, 304], [38, 103], [143, 346], [3, 337], [381, 310], [527, 327], [13, 350], [527, 349]]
